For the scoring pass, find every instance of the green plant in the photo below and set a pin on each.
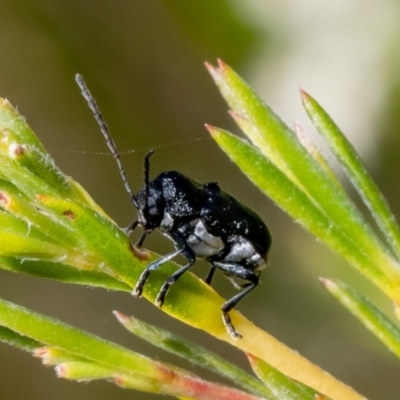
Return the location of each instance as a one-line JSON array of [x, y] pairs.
[[50, 227]]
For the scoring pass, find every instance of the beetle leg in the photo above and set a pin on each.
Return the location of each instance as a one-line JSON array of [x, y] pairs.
[[139, 243], [210, 275], [226, 307], [243, 273], [131, 227], [189, 254], [138, 289]]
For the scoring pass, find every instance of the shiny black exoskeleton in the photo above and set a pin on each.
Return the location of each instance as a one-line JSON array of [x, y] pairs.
[[201, 220]]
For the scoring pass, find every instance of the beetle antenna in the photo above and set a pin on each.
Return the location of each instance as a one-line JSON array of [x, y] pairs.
[[107, 136], [146, 171]]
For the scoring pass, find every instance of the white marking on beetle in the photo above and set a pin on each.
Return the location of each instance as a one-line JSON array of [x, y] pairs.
[[202, 242]]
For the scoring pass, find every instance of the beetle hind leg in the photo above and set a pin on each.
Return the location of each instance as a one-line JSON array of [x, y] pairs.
[[227, 306], [239, 271], [210, 275]]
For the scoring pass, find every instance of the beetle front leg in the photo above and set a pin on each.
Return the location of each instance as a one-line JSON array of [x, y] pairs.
[[131, 227], [189, 254], [138, 289]]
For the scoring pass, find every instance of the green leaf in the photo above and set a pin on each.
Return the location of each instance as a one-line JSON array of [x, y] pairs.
[[88, 371], [101, 357], [103, 239], [264, 174], [62, 273], [96, 245], [26, 163], [366, 312], [355, 170], [281, 386], [56, 334], [14, 339], [35, 160], [306, 141], [10, 119], [19, 239], [346, 226], [194, 353], [32, 212]]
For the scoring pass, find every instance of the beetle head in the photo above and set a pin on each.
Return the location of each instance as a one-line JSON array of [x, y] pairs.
[[149, 200], [150, 203]]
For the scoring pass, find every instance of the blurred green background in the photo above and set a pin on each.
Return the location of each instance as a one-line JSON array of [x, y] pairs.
[[143, 61]]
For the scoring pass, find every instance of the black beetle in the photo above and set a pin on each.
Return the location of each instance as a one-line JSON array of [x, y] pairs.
[[201, 220]]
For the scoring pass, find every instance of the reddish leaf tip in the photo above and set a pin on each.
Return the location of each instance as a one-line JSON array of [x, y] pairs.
[[45, 354], [61, 371], [212, 130], [326, 282], [304, 95], [118, 380], [40, 352], [122, 318], [252, 359], [213, 71], [209, 67], [303, 136], [223, 66], [236, 116]]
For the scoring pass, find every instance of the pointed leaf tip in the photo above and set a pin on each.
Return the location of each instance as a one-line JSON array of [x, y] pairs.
[[252, 359], [122, 318], [307, 100], [214, 72], [41, 352], [211, 69], [212, 129], [237, 117], [61, 371], [303, 93], [327, 282], [222, 65]]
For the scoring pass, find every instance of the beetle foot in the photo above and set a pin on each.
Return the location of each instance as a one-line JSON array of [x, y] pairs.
[[137, 290], [159, 302], [161, 295], [234, 333], [229, 326]]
